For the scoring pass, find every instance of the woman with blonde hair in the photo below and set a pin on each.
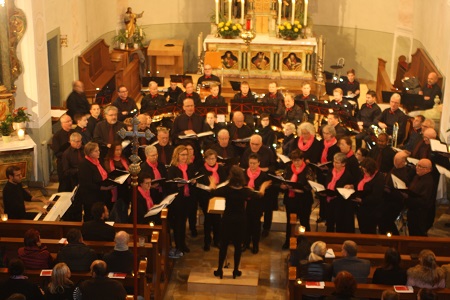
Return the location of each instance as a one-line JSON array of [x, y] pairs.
[[60, 286], [426, 274]]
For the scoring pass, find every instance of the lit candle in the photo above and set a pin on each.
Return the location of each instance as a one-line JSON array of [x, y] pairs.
[[279, 12], [140, 31], [217, 11], [293, 12], [320, 45], [151, 224], [21, 134], [242, 11], [305, 19], [199, 45], [302, 229], [4, 217], [389, 234], [229, 10]]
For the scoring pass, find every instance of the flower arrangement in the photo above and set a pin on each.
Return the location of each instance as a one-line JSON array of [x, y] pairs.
[[229, 29], [19, 115], [290, 31], [6, 126], [139, 36]]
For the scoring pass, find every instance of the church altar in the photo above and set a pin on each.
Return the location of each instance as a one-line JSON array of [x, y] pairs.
[[265, 57], [20, 153]]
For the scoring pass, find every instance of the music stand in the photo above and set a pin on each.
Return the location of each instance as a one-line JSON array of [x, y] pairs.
[[330, 86], [180, 78], [235, 85], [386, 96], [146, 80]]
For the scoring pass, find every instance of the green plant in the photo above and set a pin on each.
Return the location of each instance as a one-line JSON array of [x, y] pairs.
[[6, 126], [212, 17], [288, 30], [139, 36], [229, 29], [19, 115], [121, 37]]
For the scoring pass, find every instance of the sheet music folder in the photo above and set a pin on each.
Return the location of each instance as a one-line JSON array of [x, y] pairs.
[[235, 85], [180, 78], [146, 80]]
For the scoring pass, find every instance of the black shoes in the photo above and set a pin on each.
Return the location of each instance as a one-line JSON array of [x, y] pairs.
[[265, 233], [285, 246], [206, 247], [219, 273], [194, 233], [236, 273], [255, 249], [185, 249], [244, 247], [320, 220]]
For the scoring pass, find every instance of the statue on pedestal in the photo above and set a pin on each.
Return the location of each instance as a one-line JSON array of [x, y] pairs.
[[130, 21]]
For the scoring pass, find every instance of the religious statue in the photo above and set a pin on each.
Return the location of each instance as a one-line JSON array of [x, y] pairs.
[[130, 21]]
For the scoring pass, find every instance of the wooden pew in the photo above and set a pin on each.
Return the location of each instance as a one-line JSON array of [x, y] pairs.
[[296, 288], [421, 65], [58, 230], [149, 251], [34, 276], [383, 81]]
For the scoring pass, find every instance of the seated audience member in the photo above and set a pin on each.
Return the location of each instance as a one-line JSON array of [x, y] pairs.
[[430, 91], [17, 296], [97, 229], [389, 295], [188, 93], [333, 120], [17, 200], [121, 258], [289, 111], [153, 100], [304, 97], [34, 255], [82, 121], [392, 115], [359, 268], [173, 92], [300, 253], [70, 160], [94, 118], [366, 117], [315, 268], [345, 285], [60, 286], [76, 254], [214, 98], [100, 286], [18, 283], [390, 272], [427, 274], [383, 154], [426, 294]]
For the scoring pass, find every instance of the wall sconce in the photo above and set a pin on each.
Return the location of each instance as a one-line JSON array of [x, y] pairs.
[[63, 40]]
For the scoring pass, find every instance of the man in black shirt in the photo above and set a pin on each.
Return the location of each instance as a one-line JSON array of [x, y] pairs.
[[105, 133], [302, 100], [366, 117], [121, 259], [430, 91], [97, 229], [60, 142], [383, 154], [126, 105], [81, 128], [70, 161], [393, 115], [165, 149], [77, 102], [94, 118], [273, 96], [225, 150], [17, 200], [173, 92], [208, 76], [239, 130], [153, 100], [187, 123]]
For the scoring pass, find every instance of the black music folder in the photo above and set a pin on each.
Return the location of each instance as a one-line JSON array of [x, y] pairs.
[[180, 78], [146, 80], [235, 85]]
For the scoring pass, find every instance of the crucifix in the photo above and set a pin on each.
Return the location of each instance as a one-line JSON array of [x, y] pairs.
[[134, 170]]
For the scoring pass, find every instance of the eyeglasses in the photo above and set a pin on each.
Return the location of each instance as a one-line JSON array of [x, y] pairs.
[[123, 91], [421, 167]]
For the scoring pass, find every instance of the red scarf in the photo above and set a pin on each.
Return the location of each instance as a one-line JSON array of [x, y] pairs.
[[96, 162], [112, 168], [183, 168], [327, 145], [155, 169], [336, 176], [252, 176], [147, 197], [349, 154], [365, 179], [294, 176], [214, 169], [305, 146]]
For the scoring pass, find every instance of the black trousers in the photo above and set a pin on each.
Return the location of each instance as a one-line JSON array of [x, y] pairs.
[[177, 219], [254, 214], [211, 223]]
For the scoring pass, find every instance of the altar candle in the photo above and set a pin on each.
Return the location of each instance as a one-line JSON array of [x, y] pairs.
[[320, 45], [199, 45], [305, 20], [248, 23], [229, 10], [217, 11], [140, 31], [242, 11], [279, 12], [293, 12], [21, 134]]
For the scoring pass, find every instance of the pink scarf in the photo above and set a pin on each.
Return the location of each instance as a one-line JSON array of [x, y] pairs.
[[112, 168], [96, 162], [336, 176], [214, 169], [305, 146], [154, 167], [183, 168], [147, 197], [365, 179], [252, 176], [349, 154], [327, 145], [294, 176]]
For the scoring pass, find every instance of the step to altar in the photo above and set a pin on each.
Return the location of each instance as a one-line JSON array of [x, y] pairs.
[[202, 279], [278, 221]]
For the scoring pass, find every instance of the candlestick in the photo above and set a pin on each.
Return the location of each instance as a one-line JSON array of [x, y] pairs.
[[279, 12], [302, 229], [229, 10], [217, 11], [293, 12], [242, 11], [21, 134], [319, 47], [305, 17]]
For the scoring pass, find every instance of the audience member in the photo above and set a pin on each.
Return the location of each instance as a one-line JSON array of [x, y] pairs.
[[389, 295], [345, 287], [315, 268], [121, 258], [19, 283], [359, 268], [390, 272], [97, 229], [76, 254], [34, 255], [60, 286], [426, 294], [427, 274]]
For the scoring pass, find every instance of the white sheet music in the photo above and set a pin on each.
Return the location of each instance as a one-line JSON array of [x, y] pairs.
[[283, 158], [316, 186], [438, 146], [398, 183], [412, 160], [157, 208], [346, 193]]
